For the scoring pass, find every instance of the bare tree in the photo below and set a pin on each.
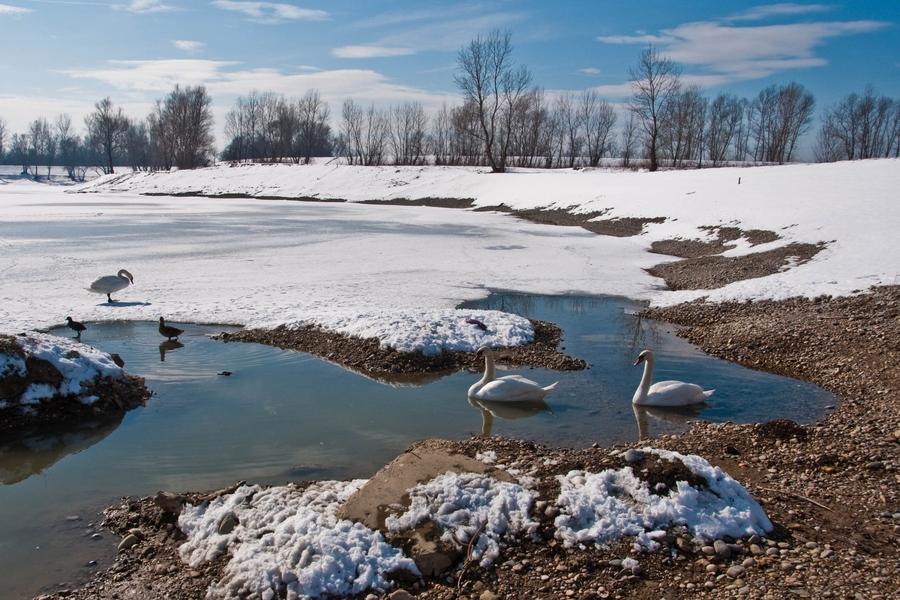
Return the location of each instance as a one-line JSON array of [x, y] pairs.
[[569, 119], [2, 136], [781, 114], [491, 83], [859, 127], [722, 124], [598, 119], [654, 81], [106, 129], [681, 127], [630, 139], [408, 124], [315, 133], [67, 143], [363, 134]]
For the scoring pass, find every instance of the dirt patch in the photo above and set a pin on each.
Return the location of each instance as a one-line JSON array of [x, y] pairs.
[[198, 194], [493, 208], [432, 202], [623, 227], [711, 272], [367, 356], [693, 248]]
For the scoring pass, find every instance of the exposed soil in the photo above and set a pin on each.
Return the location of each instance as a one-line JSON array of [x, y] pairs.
[[199, 194], [367, 356], [620, 227], [710, 272], [692, 248], [433, 202]]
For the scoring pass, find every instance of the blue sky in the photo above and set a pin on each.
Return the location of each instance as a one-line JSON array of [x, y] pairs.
[[62, 55]]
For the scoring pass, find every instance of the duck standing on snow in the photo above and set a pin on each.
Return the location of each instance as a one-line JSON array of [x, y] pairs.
[[665, 393], [112, 283], [75, 326], [511, 388], [167, 331]]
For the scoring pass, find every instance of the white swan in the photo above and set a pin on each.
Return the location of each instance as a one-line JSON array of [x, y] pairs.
[[112, 283], [511, 388], [665, 393]]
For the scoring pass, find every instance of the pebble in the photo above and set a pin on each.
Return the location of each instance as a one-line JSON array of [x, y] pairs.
[[488, 595], [91, 563], [709, 585], [633, 456], [755, 549], [400, 594], [96, 536], [128, 541], [711, 568], [709, 550], [826, 553], [748, 562], [722, 549], [72, 518], [735, 571]]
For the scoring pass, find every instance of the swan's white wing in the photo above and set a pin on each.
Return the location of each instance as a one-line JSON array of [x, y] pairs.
[[511, 388], [109, 284], [674, 393]]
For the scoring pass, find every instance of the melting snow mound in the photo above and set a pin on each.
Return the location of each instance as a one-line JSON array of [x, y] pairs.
[[288, 542], [463, 505], [614, 503]]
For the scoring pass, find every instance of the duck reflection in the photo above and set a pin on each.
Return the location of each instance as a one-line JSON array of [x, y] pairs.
[[168, 346], [678, 416], [506, 410]]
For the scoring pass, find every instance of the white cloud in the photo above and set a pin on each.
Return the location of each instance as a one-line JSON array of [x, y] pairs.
[[147, 7], [589, 71], [784, 9], [370, 51], [7, 9], [271, 12], [748, 52], [188, 45], [152, 75]]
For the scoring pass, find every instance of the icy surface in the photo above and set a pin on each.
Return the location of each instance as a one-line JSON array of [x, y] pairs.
[[398, 272], [467, 504], [605, 506], [78, 364], [289, 539]]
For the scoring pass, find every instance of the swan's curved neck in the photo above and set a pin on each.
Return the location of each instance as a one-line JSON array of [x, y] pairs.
[[648, 374], [489, 373]]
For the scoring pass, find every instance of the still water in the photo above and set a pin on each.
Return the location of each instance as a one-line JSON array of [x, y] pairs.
[[285, 415]]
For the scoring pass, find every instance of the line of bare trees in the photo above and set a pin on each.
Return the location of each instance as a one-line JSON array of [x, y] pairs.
[[860, 126], [177, 133]]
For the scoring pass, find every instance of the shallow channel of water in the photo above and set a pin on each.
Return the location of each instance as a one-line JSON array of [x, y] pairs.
[[285, 415]]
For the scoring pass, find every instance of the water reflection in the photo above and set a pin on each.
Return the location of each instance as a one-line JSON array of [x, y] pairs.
[[679, 416], [28, 454], [168, 346], [506, 410]]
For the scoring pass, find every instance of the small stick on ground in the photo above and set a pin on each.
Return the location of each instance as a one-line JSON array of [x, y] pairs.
[[785, 493], [468, 560]]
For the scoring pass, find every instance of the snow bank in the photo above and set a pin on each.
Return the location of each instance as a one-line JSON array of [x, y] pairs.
[[431, 332], [289, 539], [614, 503], [77, 363], [462, 504]]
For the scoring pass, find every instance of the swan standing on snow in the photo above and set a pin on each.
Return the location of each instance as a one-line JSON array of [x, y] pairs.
[[112, 283], [665, 393], [511, 388]]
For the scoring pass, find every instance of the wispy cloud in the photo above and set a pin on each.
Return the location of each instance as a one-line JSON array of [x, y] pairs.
[[784, 9], [748, 52], [589, 71], [7, 9], [371, 51], [188, 45], [142, 7], [271, 12]]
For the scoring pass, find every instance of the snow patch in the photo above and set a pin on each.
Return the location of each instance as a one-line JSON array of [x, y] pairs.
[[464, 504], [488, 457], [288, 539], [614, 503]]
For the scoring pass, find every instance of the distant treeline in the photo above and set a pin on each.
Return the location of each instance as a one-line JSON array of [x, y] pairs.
[[502, 121]]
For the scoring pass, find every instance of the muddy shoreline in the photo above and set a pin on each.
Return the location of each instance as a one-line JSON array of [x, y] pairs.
[[831, 488]]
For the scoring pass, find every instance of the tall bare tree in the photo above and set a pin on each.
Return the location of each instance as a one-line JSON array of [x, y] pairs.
[[106, 129], [654, 80], [630, 139], [2, 136], [598, 119], [313, 136], [493, 84], [570, 127], [859, 126], [408, 124], [722, 122]]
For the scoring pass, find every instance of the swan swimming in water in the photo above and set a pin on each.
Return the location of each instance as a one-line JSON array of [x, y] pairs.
[[511, 388], [665, 393], [112, 283]]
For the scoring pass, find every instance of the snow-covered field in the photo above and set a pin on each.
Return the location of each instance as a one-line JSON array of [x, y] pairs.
[[395, 271]]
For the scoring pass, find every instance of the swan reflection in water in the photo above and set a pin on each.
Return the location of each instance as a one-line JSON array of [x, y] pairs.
[[506, 410], [168, 346], [678, 416]]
